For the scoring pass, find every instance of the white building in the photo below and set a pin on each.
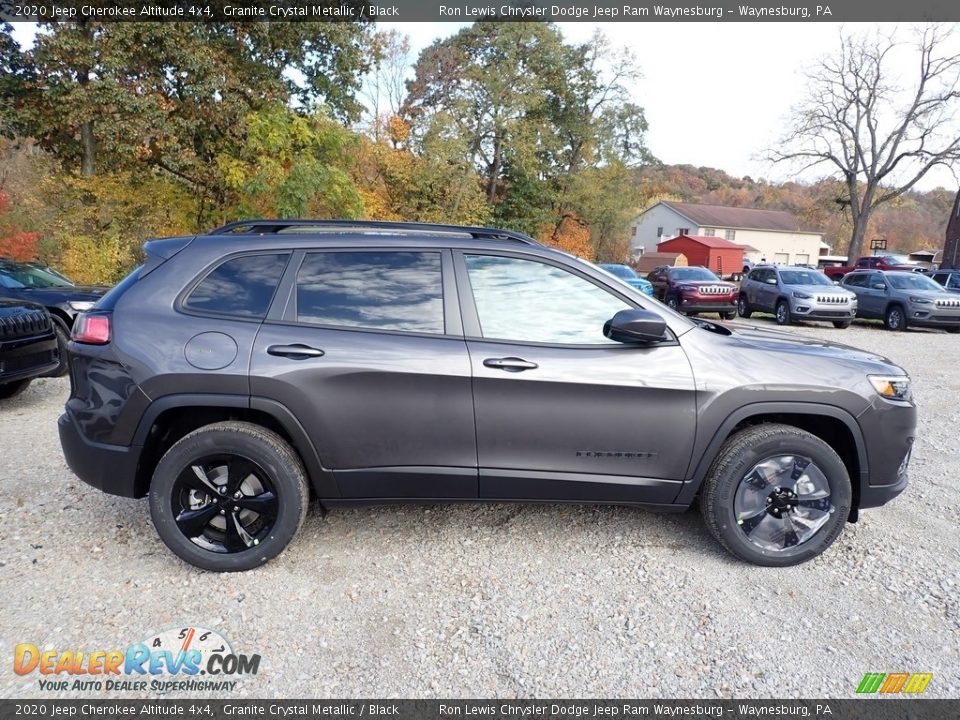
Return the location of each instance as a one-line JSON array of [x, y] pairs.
[[773, 236]]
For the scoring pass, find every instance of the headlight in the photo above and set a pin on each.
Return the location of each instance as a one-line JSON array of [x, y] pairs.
[[81, 305], [801, 295], [920, 300], [892, 387]]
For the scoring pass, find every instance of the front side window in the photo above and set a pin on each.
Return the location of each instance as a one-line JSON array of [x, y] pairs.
[[242, 286], [528, 301], [856, 279], [394, 291]]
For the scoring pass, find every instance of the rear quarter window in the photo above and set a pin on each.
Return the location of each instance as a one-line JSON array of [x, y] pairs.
[[240, 287]]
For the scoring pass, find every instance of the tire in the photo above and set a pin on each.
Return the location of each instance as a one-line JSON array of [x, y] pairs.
[[841, 324], [783, 313], [63, 337], [953, 330], [895, 319], [728, 315], [257, 469], [10, 390], [743, 307], [672, 303], [775, 446]]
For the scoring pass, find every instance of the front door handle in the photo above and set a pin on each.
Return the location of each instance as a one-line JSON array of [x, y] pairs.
[[295, 352], [510, 364]]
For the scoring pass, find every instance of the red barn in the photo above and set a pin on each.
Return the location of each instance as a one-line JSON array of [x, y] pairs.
[[717, 254]]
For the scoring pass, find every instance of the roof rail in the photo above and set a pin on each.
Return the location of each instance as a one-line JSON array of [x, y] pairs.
[[266, 227]]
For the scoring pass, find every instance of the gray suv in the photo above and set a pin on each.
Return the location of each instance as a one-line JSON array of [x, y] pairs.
[[795, 293], [236, 374], [904, 299]]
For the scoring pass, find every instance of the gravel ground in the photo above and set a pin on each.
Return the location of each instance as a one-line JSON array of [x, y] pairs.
[[502, 600]]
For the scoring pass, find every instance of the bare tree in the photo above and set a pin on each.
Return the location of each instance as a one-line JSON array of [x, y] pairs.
[[881, 138], [386, 87]]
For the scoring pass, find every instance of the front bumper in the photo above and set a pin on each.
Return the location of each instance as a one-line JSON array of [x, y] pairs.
[[889, 430], [812, 310], [695, 303], [26, 358], [923, 315], [110, 468]]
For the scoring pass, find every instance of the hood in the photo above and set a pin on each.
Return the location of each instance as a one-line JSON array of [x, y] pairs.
[[702, 283], [16, 307], [69, 292], [780, 341]]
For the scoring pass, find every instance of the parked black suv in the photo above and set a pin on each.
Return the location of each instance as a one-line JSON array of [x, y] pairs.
[[62, 298], [392, 362], [28, 346]]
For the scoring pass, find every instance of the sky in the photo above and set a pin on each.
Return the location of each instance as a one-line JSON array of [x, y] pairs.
[[714, 94]]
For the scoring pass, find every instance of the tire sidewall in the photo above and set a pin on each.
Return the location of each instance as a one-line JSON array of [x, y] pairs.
[[890, 313], [782, 444], [672, 303], [219, 442], [743, 307], [786, 313], [63, 338]]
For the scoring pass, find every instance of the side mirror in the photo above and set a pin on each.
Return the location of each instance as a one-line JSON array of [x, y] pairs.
[[836, 282], [879, 286], [771, 281], [635, 325]]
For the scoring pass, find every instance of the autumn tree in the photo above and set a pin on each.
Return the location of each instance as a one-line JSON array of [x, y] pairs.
[[880, 139], [104, 97]]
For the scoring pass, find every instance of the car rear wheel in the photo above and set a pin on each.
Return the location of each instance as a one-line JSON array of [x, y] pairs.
[[895, 319], [783, 313], [841, 324], [743, 307], [229, 496], [776, 495], [12, 389]]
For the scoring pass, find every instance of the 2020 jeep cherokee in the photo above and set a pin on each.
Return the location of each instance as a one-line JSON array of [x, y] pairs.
[[236, 372]]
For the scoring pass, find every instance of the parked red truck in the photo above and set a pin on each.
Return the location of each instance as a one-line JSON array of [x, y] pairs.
[[870, 262]]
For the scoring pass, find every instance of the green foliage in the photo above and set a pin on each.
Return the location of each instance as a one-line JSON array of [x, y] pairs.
[[291, 165]]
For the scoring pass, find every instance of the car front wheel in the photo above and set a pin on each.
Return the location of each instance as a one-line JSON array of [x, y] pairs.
[[776, 495], [783, 313], [895, 319], [743, 307], [672, 302], [229, 496], [12, 389]]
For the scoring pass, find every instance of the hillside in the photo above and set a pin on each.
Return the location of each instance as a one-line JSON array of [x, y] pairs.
[[914, 221]]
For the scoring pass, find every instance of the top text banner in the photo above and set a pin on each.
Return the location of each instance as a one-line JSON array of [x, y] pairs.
[[472, 10]]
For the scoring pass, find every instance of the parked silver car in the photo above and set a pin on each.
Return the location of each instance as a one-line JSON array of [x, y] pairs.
[[903, 299], [795, 293]]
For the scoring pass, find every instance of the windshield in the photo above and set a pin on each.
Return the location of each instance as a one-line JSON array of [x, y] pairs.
[[804, 277], [912, 281], [692, 273], [19, 276], [621, 271], [897, 260]]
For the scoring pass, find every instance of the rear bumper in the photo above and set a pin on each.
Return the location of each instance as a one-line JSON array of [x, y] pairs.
[[110, 468]]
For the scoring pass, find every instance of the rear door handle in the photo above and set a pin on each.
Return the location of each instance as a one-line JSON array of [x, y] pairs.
[[295, 352], [510, 364]]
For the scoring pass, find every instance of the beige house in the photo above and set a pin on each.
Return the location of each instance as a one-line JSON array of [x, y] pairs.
[[773, 236]]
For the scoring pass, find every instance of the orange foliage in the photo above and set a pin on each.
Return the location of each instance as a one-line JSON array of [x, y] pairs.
[[15, 243], [570, 235]]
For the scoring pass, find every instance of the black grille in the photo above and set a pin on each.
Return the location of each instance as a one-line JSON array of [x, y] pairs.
[[24, 324]]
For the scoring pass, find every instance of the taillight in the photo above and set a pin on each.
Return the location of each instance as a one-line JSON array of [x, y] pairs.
[[91, 329]]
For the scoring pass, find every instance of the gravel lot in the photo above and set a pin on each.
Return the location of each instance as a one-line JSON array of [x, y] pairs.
[[470, 600]]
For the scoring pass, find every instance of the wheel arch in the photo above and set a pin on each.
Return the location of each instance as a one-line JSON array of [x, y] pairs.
[[834, 425], [169, 418]]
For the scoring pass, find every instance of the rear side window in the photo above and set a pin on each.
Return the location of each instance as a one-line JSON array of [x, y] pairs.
[[397, 291], [242, 286]]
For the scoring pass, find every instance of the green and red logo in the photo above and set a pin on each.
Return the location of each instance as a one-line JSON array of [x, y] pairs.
[[894, 683]]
